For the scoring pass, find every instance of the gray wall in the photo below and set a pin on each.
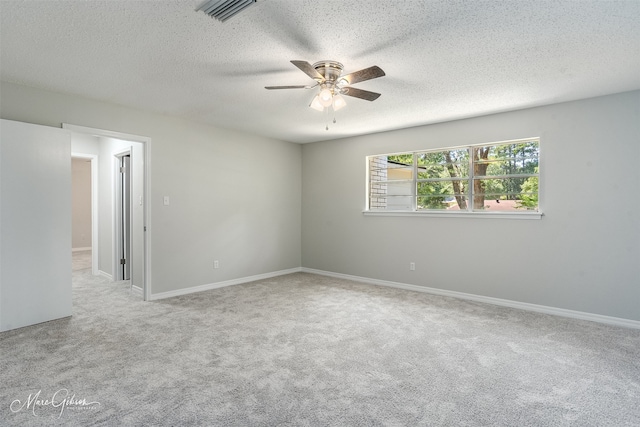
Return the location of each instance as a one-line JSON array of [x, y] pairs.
[[108, 147], [235, 197], [584, 254], [80, 203]]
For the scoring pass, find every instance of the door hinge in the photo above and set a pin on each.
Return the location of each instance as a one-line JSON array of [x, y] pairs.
[[122, 169], [123, 261], [145, 228]]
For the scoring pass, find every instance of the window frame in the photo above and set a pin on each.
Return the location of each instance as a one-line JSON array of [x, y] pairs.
[[415, 212]]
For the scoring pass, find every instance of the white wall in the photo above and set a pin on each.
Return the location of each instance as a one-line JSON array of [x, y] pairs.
[[84, 144], [235, 197], [80, 203], [106, 167], [583, 255]]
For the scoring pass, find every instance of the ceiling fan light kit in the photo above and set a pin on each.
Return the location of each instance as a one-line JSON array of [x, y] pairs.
[[338, 102], [326, 97], [316, 104], [328, 76]]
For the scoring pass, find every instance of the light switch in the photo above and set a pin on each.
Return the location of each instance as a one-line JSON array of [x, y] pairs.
[[166, 200]]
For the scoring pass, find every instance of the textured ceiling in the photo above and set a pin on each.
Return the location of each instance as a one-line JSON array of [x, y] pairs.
[[444, 60]]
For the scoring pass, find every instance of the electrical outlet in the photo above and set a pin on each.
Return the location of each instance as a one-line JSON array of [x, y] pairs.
[[216, 264], [412, 266]]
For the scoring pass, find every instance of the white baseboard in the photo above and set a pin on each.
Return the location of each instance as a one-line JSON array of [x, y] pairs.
[[80, 249], [617, 321], [136, 290], [105, 275], [185, 291]]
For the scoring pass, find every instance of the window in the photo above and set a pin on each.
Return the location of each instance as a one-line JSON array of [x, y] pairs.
[[499, 177]]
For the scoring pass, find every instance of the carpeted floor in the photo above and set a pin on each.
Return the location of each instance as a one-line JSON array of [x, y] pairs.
[[80, 260], [307, 350]]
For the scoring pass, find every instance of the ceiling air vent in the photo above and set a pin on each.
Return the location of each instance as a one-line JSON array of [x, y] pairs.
[[224, 9]]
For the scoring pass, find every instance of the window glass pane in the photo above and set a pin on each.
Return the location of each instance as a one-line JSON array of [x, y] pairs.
[[528, 199], [400, 188], [404, 159], [392, 174], [378, 168], [495, 205], [399, 173], [399, 203], [442, 202], [442, 194], [443, 164], [509, 194], [508, 159], [391, 195], [501, 204], [396, 167], [390, 203], [377, 195], [377, 203], [451, 187], [510, 187], [505, 186]]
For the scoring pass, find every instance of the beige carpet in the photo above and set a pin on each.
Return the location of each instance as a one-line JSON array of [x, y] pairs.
[[80, 260], [305, 350]]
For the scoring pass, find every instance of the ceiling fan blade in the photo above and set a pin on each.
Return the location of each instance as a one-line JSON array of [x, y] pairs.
[[308, 69], [364, 74], [359, 93], [287, 87]]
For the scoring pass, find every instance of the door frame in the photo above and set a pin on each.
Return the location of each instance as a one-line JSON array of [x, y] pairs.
[[94, 207], [146, 146], [117, 219]]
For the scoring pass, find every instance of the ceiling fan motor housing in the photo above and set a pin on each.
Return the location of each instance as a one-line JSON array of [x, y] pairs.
[[330, 70]]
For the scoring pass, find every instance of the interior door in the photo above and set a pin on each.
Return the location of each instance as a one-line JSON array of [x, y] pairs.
[[35, 224]]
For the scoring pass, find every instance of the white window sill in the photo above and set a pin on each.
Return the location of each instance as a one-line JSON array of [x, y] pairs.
[[458, 214]]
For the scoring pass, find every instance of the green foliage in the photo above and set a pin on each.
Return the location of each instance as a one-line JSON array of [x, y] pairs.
[[434, 166], [529, 195], [510, 159], [403, 159]]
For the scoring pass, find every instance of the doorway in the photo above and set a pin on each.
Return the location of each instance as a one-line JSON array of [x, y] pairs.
[[79, 230], [123, 207]]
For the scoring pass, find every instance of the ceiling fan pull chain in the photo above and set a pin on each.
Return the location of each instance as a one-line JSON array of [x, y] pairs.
[[326, 118]]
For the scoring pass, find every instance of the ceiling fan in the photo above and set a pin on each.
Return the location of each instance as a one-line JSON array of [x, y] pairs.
[[328, 76]]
